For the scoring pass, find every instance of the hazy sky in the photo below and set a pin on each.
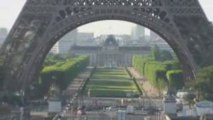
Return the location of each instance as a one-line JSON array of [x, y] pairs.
[[9, 10]]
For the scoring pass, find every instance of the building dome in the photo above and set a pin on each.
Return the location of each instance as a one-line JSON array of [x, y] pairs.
[[110, 41]]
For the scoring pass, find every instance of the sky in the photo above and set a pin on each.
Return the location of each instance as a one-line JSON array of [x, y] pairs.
[[10, 9]]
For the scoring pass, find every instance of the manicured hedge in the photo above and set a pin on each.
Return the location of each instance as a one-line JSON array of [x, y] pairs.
[[140, 61], [154, 71], [112, 93], [61, 74], [176, 79]]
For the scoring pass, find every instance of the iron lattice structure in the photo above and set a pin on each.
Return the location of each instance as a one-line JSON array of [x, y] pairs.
[[182, 23]]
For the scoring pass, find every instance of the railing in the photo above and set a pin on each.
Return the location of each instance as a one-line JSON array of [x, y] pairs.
[[113, 116], [135, 81], [89, 118], [10, 116]]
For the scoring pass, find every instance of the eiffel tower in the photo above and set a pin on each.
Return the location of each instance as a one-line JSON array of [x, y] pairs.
[[182, 23]]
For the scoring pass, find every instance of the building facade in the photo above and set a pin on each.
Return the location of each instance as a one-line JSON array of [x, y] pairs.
[[138, 32], [72, 38], [110, 53]]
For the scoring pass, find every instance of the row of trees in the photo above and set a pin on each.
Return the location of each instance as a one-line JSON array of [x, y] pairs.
[[52, 59], [59, 74], [204, 83], [202, 86], [160, 69]]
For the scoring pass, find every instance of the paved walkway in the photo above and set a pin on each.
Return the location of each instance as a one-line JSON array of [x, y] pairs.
[[147, 87], [77, 83]]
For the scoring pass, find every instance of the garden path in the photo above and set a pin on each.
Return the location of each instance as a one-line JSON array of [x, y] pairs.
[[146, 85]]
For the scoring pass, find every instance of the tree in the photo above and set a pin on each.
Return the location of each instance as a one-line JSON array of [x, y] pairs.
[[156, 52], [204, 83], [161, 55], [59, 74], [176, 79], [165, 55], [52, 59], [190, 99]]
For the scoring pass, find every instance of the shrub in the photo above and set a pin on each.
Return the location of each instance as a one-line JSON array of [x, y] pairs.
[[60, 74], [155, 71], [175, 78], [204, 83]]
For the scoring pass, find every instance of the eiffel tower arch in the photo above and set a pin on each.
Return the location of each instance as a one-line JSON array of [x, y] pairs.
[[182, 23]]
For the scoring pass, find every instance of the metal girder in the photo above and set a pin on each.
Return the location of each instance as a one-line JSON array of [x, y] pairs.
[[43, 22]]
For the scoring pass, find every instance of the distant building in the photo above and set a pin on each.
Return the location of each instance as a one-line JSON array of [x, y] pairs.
[[147, 38], [155, 39], [84, 38], [71, 38], [138, 36], [3, 35], [68, 40], [154, 36], [123, 39], [63, 45], [100, 39], [55, 48], [138, 33], [109, 53], [162, 46]]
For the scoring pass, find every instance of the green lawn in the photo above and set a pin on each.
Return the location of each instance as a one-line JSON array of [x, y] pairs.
[[111, 83]]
